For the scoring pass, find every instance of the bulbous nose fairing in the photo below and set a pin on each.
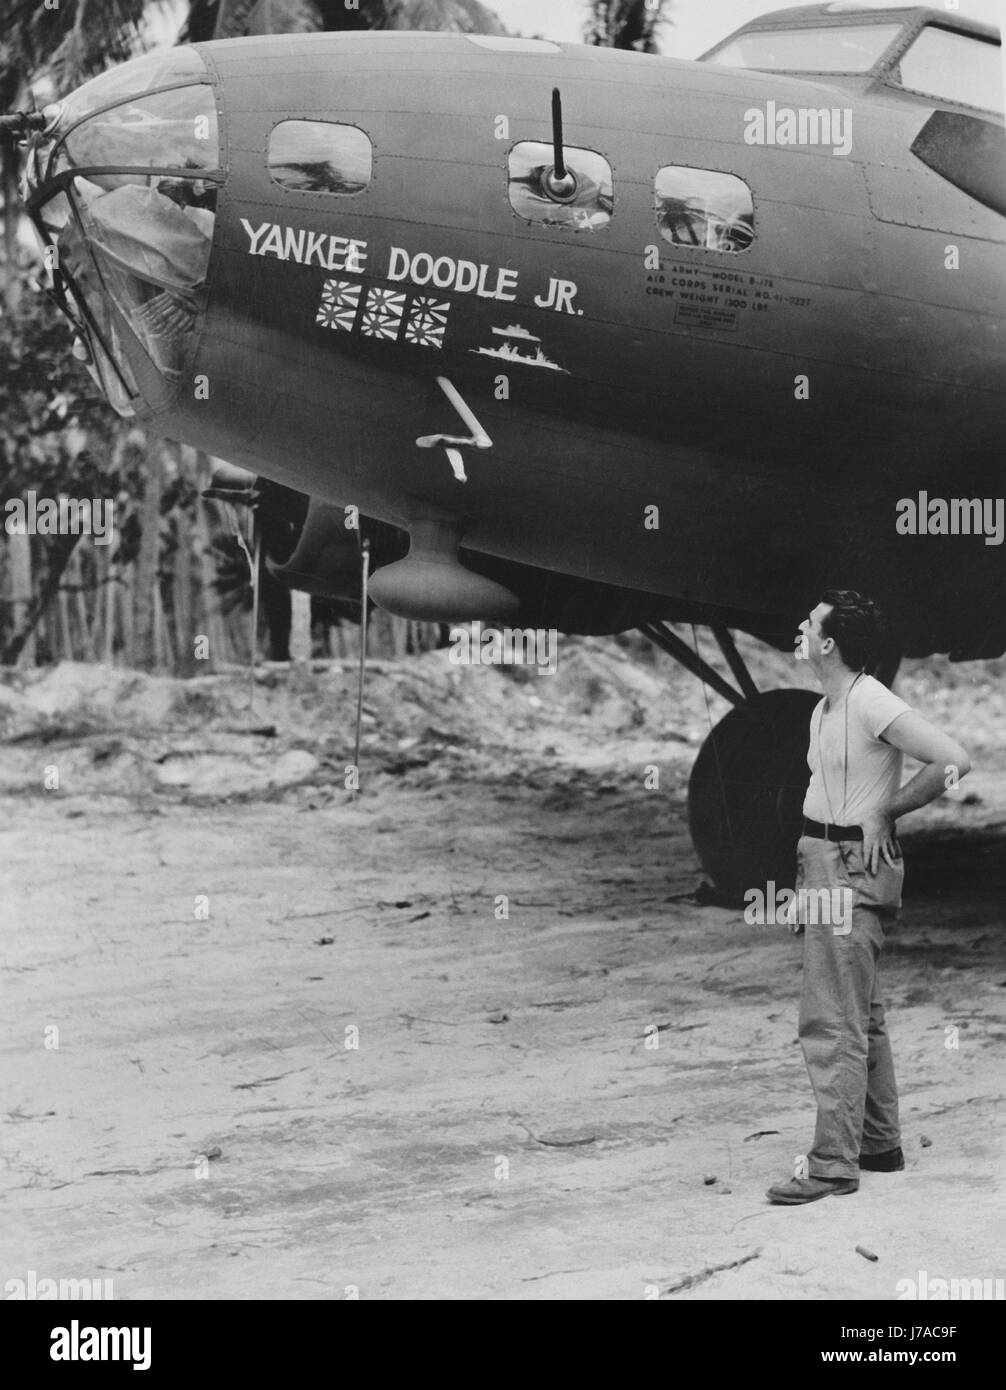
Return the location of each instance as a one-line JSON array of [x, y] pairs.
[[122, 189]]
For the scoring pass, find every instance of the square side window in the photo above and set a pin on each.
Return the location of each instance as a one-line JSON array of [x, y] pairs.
[[585, 205], [704, 208], [320, 157]]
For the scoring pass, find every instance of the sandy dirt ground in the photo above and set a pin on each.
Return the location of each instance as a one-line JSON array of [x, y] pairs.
[[409, 1052]]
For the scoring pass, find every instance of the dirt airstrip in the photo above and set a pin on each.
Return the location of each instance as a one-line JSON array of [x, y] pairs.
[[471, 1036]]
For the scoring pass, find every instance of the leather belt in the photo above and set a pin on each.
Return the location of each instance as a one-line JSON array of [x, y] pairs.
[[817, 831]]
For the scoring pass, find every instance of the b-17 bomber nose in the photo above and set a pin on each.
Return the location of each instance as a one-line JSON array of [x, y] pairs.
[[122, 187]]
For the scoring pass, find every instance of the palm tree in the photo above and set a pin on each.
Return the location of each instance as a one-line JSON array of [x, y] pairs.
[[625, 24], [68, 43], [216, 19], [79, 38]]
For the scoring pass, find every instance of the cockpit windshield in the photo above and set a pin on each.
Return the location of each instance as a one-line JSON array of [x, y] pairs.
[[938, 62], [846, 48], [122, 188], [953, 67]]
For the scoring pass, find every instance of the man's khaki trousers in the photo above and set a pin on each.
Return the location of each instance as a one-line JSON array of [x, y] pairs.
[[842, 1028]]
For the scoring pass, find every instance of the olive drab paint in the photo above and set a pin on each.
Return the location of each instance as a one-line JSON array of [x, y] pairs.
[[769, 360]]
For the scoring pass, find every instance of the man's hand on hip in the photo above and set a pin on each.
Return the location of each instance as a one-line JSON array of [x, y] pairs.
[[879, 841]]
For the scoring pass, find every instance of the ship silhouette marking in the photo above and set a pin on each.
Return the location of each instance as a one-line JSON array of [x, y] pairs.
[[510, 351]]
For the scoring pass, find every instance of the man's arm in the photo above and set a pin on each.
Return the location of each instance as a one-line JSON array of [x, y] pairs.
[[941, 755]]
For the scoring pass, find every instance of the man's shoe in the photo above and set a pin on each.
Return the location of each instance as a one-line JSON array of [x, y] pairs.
[[799, 1190], [892, 1161]]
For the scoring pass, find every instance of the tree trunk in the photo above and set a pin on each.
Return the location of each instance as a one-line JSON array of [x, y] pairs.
[[59, 552], [126, 609], [63, 647], [300, 626], [182, 581], [146, 654], [75, 574], [19, 549], [212, 625], [111, 590]]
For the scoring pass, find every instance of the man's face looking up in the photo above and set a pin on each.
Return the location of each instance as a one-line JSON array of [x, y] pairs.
[[811, 644]]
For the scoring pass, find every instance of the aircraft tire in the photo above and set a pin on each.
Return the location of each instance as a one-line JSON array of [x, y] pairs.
[[746, 791]]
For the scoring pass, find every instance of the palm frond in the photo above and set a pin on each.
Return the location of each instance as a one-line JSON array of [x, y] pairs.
[[626, 24], [454, 16], [233, 19], [68, 44]]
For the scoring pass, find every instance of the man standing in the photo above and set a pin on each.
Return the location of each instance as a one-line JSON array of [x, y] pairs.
[[858, 735]]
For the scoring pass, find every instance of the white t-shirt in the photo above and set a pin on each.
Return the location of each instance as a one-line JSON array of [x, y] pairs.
[[874, 767]]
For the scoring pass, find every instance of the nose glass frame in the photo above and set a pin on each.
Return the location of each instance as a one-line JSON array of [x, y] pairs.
[[103, 326]]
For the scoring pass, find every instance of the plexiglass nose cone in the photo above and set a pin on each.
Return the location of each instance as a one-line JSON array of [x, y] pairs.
[[122, 187]]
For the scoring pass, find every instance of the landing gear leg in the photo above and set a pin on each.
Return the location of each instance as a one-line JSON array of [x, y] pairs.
[[746, 791]]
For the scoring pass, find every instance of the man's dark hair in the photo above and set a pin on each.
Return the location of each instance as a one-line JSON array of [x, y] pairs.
[[858, 627]]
